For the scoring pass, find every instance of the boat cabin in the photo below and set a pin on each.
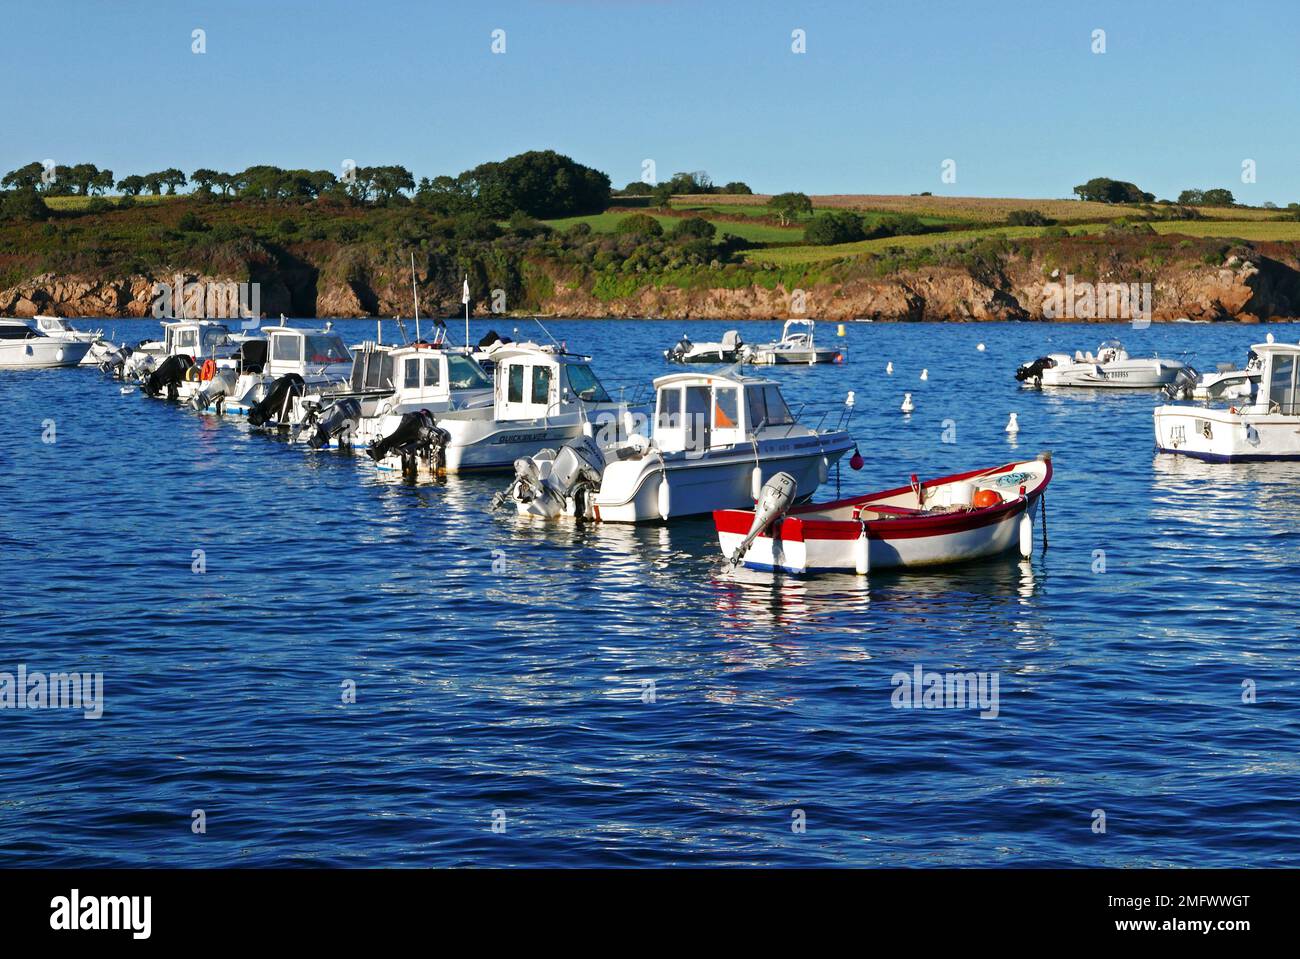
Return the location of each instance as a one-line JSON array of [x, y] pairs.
[[1279, 384], [428, 373], [535, 382], [698, 412], [201, 339], [294, 350]]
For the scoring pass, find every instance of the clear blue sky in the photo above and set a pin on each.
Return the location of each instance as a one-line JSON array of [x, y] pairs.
[[885, 92]]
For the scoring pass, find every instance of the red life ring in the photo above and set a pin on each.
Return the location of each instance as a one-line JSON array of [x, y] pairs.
[[209, 369]]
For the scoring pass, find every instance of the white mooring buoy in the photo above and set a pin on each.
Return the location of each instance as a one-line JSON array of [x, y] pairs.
[[907, 406], [1013, 427], [925, 374], [980, 347], [889, 368]]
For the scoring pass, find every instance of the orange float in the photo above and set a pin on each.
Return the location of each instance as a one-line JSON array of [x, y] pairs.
[[985, 498]]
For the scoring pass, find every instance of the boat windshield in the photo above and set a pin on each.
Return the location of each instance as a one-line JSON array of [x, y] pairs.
[[464, 374], [767, 406], [583, 383], [326, 348]]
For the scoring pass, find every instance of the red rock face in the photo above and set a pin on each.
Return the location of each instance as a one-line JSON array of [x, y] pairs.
[[1246, 288]]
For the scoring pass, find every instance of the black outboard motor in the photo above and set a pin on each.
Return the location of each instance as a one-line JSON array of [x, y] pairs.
[[492, 336], [277, 399], [168, 376], [341, 417], [678, 353], [1034, 370], [416, 437], [219, 387]]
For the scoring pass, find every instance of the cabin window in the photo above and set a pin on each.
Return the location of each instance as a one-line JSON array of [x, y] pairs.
[[326, 349], [541, 384], [778, 414], [1281, 386], [379, 371], [515, 391], [464, 374], [411, 373], [757, 406], [726, 408], [670, 409], [186, 340], [288, 348], [698, 401], [16, 332], [584, 385], [432, 374]]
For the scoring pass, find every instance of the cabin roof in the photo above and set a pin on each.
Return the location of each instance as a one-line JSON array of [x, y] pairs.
[[708, 379], [1262, 348], [551, 353]]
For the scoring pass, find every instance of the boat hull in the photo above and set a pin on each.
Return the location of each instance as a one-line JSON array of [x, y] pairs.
[[42, 353], [717, 481], [877, 532], [1225, 436]]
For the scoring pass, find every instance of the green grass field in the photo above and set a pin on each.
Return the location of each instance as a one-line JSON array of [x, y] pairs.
[[753, 232], [81, 202], [1264, 231], [795, 255]]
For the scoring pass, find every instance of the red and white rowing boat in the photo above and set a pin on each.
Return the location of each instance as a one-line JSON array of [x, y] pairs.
[[948, 520]]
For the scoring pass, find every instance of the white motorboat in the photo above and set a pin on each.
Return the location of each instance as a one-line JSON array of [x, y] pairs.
[[543, 397], [730, 349], [387, 383], [100, 351], [795, 346], [953, 519], [162, 366], [715, 437], [1112, 367], [299, 361], [1265, 426], [24, 347], [1225, 382]]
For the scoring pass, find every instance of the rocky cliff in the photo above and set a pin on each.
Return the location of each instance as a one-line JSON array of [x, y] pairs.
[[1240, 283]]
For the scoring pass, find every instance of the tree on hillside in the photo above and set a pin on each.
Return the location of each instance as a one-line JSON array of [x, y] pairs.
[[23, 204], [132, 185], [835, 226], [637, 188], [1105, 190], [153, 183], [736, 187], [662, 195], [1218, 197], [101, 182], [1192, 197], [639, 224], [204, 180], [790, 206], [172, 178], [542, 183], [24, 178], [694, 228]]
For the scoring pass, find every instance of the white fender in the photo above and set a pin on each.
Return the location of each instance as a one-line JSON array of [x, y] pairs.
[[665, 496], [823, 470], [862, 553], [1026, 535], [755, 483]]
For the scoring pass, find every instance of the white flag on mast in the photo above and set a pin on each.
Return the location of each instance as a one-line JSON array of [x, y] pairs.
[[464, 296]]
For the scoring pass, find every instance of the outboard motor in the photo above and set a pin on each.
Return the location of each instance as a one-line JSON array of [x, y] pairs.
[[678, 353], [168, 375], [417, 436], [340, 417], [1034, 370], [578, 470], [220, 386], [277, 399], [1183, 386], [492, 336], [776, 496]]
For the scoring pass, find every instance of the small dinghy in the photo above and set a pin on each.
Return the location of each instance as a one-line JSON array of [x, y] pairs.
[[953, 519]]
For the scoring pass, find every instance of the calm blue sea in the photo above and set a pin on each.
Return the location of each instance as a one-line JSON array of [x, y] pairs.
[[503, 667]]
